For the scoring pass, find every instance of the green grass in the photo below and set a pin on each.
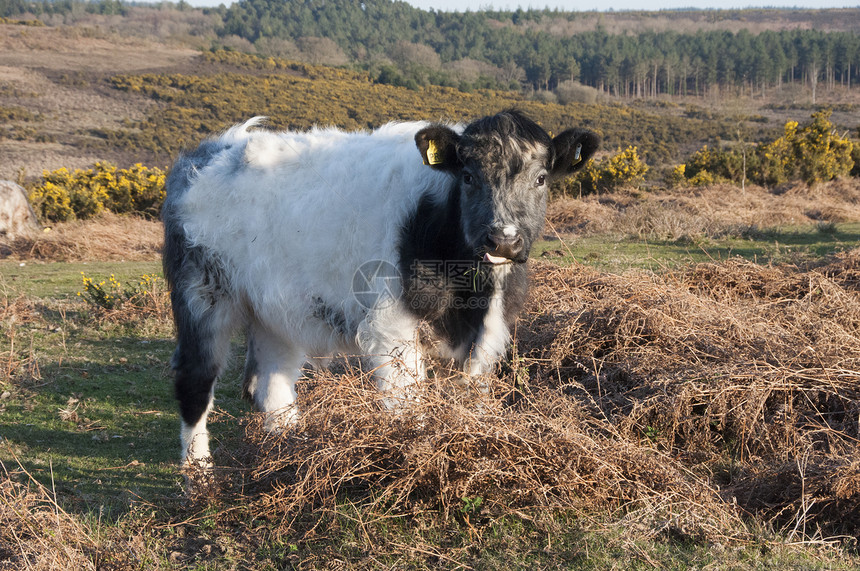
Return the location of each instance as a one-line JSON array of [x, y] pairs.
[[98, 420], [788, 244], [61, 280]]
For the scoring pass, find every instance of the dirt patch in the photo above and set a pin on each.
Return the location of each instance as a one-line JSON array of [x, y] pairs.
[[60, 75], [69, 49]]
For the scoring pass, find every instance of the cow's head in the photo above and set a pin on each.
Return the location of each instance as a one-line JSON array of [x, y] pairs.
[[503, 165]]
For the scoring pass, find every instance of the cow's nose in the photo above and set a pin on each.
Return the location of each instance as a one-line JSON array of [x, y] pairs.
[[504, 245]]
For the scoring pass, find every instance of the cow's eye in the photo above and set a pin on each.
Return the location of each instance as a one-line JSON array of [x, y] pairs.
[[467, 179], [541, 180]]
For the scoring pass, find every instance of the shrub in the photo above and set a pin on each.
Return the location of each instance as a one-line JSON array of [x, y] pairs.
[[777, 157], [821, 153], [624, 169], [137, 189], [708, 166], [52, 202], [702, 178], [813, 153], [83, 194], [676, 177], [574, 92], [65, 195], [110, 294], [855, 156], [716, 163], [545, 97]]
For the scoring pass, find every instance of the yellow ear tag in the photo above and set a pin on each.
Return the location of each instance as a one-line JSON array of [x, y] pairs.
[[434, 157], [577, 157]]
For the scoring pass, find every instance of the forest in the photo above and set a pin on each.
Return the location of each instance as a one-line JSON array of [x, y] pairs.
[[540, 50], [644, 64]]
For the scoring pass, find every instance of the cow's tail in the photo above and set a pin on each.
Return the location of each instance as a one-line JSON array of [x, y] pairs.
[[204, 309]]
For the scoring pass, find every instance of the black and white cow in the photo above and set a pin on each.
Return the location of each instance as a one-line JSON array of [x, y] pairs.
[[328, 242]]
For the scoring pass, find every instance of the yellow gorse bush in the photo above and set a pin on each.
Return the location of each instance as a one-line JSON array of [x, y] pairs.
[[813, 153], [623, 169], [708, 166], [820, 153], [82, 194], [110, 294], [677, 176]]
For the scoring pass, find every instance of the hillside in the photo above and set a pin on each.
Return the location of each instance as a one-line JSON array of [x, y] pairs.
[[63, 108], [628, 54], [54, 92]]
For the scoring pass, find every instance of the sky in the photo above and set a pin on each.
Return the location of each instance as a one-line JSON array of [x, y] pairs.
[[603, 5]]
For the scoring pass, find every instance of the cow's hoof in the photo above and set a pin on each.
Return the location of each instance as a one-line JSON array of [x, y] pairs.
[[199, 477], [281, 420]]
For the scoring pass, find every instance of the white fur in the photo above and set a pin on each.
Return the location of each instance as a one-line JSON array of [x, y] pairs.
[[292, 216], [278, 367], [494, 337], [195, 440], [388, 336], [301, 213]]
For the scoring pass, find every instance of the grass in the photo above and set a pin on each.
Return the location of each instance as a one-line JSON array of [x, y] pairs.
[[96, 425], [88, 405], [62, 280], [94, 414], [782, 244]]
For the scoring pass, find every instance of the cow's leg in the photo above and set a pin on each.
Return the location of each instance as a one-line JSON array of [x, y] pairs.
[[203, 347], [490, 344], [391, 344], [272, 368]]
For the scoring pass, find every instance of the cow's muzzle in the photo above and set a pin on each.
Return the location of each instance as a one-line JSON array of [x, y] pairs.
[[504, 247]]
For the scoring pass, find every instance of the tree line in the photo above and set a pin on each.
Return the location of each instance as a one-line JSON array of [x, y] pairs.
[[645, 64], [401, 44]]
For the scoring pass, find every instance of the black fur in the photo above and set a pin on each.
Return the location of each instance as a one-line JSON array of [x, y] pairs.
[[482, 137], [445, 141], [497, 186], [249, 375], [196, 367], [329, 315], [444, 283], [567, 145]]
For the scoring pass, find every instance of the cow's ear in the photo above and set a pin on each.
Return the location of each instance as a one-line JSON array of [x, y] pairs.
[[572, 149], [438, 147]]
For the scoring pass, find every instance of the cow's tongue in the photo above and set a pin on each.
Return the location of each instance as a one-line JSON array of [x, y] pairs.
[[495, 259]]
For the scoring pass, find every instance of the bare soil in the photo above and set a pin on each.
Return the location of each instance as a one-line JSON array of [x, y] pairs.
[[60, 75]]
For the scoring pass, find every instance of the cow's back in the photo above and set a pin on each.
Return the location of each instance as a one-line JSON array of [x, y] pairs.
[[292, 216]]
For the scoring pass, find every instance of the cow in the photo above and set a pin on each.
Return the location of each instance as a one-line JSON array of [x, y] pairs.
[[327, 242]]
